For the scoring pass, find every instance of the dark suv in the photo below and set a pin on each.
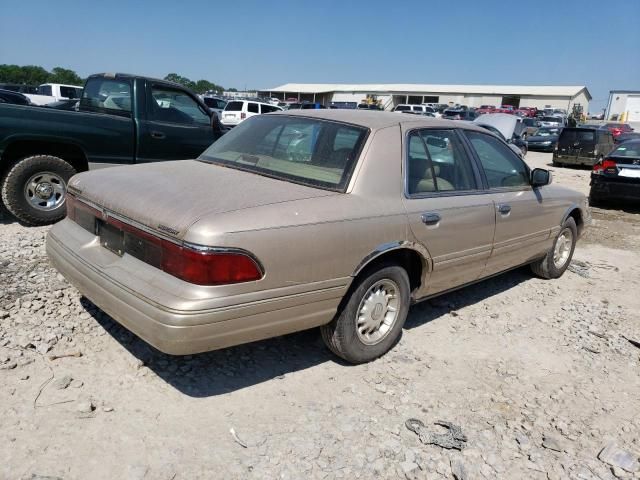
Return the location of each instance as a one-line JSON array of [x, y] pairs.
[[582, 146]]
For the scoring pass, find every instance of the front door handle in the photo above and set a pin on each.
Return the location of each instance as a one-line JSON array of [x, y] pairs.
[[430, 218], [503, 208], [158, 135]]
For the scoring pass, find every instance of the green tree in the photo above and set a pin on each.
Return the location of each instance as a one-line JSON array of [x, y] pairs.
[[28, 74], [174, 77], [63, 75]]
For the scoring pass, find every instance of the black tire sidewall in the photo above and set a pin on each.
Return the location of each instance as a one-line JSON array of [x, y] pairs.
[[554, 272], [13, 188], [354, 349]]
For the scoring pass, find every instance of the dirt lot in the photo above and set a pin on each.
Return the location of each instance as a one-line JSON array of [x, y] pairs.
[[538, 374]]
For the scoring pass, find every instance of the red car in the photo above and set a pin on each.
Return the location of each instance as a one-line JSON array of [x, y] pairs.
[[617, 128], [486, 109], [505, 109], [527, 111]]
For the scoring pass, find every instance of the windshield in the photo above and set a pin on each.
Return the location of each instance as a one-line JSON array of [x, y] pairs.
[[309, 151], [546, 132]]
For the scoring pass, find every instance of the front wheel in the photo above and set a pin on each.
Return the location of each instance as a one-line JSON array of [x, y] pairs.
[[35, 188], [371, 320], [557, 260]]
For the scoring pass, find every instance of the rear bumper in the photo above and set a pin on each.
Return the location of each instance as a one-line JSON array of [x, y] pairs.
[[614, 188], [191, 328], [575, 160]]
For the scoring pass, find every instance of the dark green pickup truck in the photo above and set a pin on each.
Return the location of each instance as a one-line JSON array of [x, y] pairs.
[[121, 120]]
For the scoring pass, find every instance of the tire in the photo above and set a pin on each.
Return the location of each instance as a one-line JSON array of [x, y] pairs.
[[547, 267], [342, 335], [41, 174]]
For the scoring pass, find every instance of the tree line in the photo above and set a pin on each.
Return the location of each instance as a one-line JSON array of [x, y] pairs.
[[35, 75]]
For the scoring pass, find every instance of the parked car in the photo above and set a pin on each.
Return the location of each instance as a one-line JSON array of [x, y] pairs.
[[582, 146], [617, 176], [456, 114], [545, 139], [19, 88], [485, 109], [237, 111], [41, 148], [531, 125], [625, 137], [403, 107], [617, 129], [53, 92], [70, 105], [215, 104], [197, 263], [507, 127], [510, 109], [15, 98], [552, 121]]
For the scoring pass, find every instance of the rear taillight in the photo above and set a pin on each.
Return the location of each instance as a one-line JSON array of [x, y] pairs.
[[191, 263], [605, 166], [243, 115]]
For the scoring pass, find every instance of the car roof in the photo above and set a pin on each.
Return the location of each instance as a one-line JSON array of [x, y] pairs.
[[375, 119]]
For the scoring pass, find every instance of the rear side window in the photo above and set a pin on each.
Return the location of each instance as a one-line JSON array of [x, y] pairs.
[[107, 96], [233, 107], [501, 165], [253, 108], [69, 92], [437, 163]]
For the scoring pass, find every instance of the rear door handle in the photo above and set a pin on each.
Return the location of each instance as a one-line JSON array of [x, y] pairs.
[[504, 208], [158, 135], [430, 218]]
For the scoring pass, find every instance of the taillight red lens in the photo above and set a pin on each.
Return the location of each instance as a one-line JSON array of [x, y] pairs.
[[606, 166], [208, 267], [243, 115]]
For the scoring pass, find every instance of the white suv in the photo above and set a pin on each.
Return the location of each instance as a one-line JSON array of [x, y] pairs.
[[237, 111]]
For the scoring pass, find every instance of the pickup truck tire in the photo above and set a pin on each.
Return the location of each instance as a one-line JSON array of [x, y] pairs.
[[34, 189]]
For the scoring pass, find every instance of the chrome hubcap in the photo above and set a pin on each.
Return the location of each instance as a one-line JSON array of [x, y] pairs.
[[563, 248], [378, 312], [45, 191]]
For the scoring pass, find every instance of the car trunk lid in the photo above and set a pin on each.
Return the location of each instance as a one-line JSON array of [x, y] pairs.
[[170, 196]]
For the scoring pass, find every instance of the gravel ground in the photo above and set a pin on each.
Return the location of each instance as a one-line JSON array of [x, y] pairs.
[[539, 375]]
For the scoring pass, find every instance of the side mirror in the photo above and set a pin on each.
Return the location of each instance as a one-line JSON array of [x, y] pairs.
[[540, 177]]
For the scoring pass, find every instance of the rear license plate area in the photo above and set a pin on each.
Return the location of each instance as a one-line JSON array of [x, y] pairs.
[[111, 238]]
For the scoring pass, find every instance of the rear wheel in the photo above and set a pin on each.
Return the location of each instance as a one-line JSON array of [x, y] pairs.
[[34, 189], [557, 260], [370, 320]]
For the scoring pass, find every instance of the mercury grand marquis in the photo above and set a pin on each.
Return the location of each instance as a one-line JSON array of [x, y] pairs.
[[316, 218]]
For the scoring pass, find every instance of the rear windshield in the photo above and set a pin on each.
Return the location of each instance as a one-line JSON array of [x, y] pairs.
[[552, 119], [581, 135], [546, 131], [308, 151], [214, 103], [233, 107], [629, 149]]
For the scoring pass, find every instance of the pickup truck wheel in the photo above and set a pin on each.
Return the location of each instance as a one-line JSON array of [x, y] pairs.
[[35, 188], [371, 320], [557, 260]]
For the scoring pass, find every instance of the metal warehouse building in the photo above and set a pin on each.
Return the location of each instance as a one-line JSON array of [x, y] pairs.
[[391, 95], [623, 104]]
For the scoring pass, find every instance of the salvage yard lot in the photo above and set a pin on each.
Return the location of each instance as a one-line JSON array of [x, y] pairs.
[[515, 361]]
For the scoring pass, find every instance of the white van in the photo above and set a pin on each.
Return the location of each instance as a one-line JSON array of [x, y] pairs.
[[237, 111], [54, 92]]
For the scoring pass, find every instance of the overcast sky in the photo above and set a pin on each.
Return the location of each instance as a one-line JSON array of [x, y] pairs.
[[262, 44]]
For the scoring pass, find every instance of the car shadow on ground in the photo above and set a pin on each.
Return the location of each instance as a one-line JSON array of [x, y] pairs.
[[235, 368], [613, 206]]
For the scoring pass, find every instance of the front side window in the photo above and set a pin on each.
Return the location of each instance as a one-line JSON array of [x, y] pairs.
[[436, 162], [501, 165], [309, 151], [105, 95], [175, 106]]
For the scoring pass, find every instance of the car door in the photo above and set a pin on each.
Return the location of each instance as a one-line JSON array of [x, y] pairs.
[[176, 126], [524, 216], [448, 212]]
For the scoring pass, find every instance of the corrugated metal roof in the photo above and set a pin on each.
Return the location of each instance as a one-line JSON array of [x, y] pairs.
[[409, 88]]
